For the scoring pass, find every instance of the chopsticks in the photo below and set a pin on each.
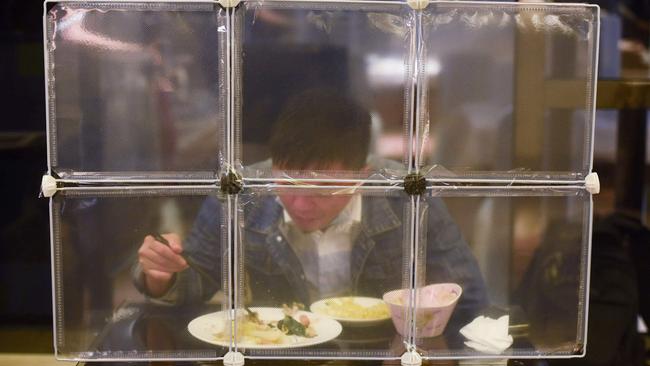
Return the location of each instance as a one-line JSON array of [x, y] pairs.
[[189, 260]]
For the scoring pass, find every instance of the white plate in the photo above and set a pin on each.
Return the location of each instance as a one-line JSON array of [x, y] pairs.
[[206, 326], [321, 307]]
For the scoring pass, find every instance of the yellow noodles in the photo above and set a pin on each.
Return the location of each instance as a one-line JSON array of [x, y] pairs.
[[346, 307]]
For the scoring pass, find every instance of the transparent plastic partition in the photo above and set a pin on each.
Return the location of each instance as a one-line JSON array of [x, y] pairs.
[[337, 274], [528, 261], [513, 84], [295, 59], [318, 107], [136, 89], [107, 257]]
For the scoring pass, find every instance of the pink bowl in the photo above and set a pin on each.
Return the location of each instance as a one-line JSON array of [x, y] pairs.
[[435, 304]]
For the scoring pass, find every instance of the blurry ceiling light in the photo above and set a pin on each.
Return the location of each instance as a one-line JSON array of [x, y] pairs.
[[72, 28], [392, 71]]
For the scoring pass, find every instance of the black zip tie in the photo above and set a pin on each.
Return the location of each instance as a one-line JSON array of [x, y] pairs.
[[231, 183], [415, 184]]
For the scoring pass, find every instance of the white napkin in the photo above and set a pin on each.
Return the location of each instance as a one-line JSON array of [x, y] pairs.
[[488, 335]]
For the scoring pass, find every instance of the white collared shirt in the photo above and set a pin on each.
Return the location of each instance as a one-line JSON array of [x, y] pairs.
[[325, 254]]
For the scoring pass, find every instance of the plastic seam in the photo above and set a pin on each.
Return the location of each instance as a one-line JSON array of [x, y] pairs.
[[232, 278], [57, 276], [226, 262], [420, 82], [50, 100], [413, 285], [582, 328], [593, 92], [144, 6]]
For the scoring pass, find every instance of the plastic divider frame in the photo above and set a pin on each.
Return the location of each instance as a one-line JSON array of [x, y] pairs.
[[133, 92], [532, 248], [91, 185], [357, 53], [543, 60], [101, 310], [271, 275]]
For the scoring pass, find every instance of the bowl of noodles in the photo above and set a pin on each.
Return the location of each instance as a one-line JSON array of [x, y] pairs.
[[353, 311], [434, 305]]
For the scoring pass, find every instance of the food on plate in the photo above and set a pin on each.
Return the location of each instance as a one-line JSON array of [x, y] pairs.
[[251, 329], [265, 328], [348, 307]]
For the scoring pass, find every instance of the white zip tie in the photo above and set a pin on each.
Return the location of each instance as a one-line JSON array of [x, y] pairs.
[[411, 358], [233, 359], [592, 183], [48, 186]]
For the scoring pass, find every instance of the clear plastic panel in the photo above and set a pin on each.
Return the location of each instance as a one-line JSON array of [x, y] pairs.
[[321, 130], [512, 84], [136, 87], [528, 261], [323, 87], [110, 300], [334, 251]]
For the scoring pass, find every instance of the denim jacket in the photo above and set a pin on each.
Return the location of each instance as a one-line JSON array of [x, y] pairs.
[[274, 274]]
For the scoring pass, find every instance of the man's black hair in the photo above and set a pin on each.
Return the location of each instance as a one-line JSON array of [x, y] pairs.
[[319, 127]]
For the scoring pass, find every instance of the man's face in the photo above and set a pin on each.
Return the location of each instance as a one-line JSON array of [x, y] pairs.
[[314, 211]]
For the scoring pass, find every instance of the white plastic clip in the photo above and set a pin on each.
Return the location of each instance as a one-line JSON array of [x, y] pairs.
[[411, 358], [233, 359], [229, 3], [418, 4], [48, 186], [592, 183]]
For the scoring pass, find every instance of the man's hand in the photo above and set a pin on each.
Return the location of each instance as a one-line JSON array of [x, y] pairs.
[[160, 262]]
